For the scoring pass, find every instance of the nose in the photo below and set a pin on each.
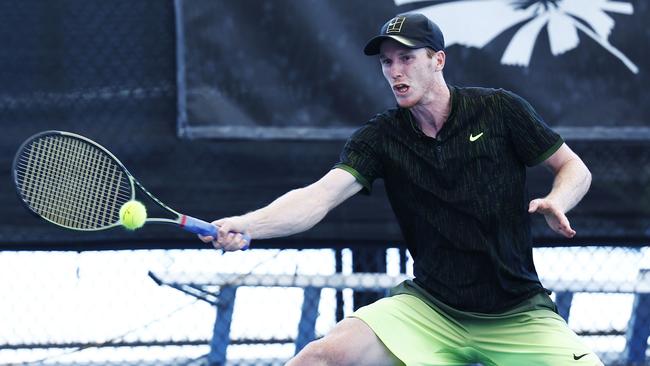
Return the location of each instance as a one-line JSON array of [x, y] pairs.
[[395, 71]]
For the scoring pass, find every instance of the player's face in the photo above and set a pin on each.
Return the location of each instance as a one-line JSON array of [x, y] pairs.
[[409, 72]]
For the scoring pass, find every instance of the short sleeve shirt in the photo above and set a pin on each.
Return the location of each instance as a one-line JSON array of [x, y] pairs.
[[460, 198]]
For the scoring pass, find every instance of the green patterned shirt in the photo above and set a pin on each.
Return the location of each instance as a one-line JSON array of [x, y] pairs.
[[460, 198]]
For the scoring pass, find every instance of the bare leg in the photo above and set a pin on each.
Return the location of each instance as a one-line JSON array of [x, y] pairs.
[[351, 342]]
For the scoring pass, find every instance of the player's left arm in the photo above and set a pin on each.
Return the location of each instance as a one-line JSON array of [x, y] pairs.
[[571, 183]]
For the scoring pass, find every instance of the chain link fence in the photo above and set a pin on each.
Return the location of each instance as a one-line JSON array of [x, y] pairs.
[[76, 65], [200, 307]]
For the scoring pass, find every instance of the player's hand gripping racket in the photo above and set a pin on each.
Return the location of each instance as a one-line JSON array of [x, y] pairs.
[[73, 182]]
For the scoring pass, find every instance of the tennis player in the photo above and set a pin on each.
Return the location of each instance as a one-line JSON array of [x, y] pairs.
[[454, 161]]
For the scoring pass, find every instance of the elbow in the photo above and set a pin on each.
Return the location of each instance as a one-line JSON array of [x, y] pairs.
[[587, 178], [581, 167]]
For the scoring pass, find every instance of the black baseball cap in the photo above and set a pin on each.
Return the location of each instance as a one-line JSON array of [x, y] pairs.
[[413, 30]]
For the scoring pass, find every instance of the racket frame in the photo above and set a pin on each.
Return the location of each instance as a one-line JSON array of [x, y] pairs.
[[187, 222]]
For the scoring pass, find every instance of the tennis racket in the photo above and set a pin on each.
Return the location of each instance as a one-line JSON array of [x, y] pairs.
[[73, 182]]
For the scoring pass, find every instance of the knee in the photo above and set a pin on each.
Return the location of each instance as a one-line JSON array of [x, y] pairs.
[[351, 343]]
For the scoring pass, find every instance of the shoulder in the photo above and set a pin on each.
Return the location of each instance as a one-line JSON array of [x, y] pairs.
[[380, 123], [513, 104], [502, 99], [510, 97], [476, 92], [480, 97], [387, 118], [480, 92]]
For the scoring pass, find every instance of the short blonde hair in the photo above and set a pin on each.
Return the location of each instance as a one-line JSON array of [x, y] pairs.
[[430, 52]]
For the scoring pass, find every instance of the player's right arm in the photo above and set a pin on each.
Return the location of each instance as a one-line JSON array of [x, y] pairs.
[[295, 211]]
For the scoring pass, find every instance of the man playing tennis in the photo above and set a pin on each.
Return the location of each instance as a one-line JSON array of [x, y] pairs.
[[454, 164]]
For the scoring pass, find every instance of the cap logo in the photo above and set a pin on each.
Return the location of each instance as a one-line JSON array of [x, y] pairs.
[[395, 25]]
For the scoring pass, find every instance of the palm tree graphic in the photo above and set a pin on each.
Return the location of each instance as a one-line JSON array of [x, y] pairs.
[[562, 19]]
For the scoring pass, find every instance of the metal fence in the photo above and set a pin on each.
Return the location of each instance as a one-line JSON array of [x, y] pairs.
[[200, 307]]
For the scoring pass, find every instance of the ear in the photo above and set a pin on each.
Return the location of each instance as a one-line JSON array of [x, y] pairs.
[[439, 59]]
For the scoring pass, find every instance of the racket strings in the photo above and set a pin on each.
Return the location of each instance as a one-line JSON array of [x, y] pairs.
[[72, 183], [68, 200], [82, 198], [41, 176]]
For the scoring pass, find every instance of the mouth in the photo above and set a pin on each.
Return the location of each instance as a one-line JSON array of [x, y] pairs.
[[401, 89]]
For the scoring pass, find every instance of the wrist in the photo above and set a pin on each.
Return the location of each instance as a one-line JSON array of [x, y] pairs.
[[243, 223], [557, 203]]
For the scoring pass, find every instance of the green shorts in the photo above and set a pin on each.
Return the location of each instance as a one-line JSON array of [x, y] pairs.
[[419, 330]]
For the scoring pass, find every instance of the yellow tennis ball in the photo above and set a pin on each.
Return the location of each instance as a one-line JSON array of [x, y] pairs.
[[132, 215]]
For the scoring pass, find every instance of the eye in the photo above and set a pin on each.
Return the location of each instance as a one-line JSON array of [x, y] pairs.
[[385, 61]]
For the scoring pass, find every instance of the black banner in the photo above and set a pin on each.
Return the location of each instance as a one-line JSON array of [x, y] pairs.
[[289, 77], [295, 69]]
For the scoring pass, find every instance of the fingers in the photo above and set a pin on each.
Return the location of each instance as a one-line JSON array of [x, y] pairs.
[[235, 241], [205, 239], [228, 239], [563, 227], [566, 231], [539, 205], [208, 239], [231, 242], [555, 218], [532, 206]]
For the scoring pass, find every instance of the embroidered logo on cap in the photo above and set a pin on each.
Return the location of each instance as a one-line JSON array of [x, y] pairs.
[[395, 25]]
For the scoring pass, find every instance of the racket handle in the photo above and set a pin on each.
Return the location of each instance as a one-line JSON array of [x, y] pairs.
[[198, 226]]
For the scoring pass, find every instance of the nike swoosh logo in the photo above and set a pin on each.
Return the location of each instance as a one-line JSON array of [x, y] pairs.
[[579, 357], [473, 138]]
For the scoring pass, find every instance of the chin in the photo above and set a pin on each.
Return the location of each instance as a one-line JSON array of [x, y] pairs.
[[405, 103]]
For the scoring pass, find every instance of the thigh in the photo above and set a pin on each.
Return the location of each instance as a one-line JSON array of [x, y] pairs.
[[350, 342], [535, 338], [415, 332]]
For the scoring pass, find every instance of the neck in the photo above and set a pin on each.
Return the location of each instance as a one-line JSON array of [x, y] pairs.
[[432, 113]]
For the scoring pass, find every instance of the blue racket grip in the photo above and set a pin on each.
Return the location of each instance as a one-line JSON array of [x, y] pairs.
[[198, 226]]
